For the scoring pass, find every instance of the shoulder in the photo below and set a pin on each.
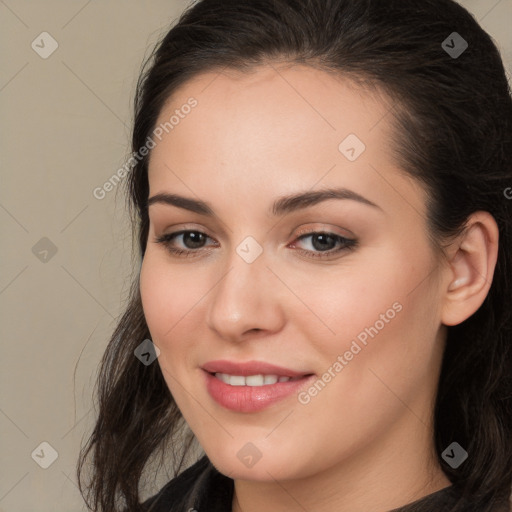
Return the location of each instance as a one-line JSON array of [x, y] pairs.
[[199, 484]]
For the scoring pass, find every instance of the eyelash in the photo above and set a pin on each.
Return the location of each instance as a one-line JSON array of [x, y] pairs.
[[347, 244]]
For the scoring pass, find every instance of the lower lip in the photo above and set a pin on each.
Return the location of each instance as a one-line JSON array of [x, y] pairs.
[[252, 398]]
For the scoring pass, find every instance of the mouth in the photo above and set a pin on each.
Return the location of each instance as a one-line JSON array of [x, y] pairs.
[[253, 380], [253, 386]]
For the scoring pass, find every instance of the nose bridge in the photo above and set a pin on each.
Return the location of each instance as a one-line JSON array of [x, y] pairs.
[[243, 299]]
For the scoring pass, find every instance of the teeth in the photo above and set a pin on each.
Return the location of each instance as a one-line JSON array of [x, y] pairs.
[[251, 380], [270, 379], [236, 380], [258, 380]]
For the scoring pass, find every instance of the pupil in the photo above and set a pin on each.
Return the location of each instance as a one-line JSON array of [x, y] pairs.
[[193, 239], [322, 242]]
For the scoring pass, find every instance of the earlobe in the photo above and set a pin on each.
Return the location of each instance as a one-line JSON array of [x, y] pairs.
[[470, 269]]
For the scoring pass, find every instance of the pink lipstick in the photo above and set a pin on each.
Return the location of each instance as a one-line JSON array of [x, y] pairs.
[[251, 386]]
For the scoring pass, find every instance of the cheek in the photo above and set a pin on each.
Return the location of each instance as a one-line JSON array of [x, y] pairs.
[[167, 296], [343, 302], [156, 293], [382, 315], [169, 300], [380, 358]]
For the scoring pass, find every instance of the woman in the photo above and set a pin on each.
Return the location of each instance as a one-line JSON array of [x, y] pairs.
[[321, 197]]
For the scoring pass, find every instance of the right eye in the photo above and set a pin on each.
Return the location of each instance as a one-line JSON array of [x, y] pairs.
[[191, 242]]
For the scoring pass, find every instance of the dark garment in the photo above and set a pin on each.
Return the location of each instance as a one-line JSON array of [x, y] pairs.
[[201, 488]]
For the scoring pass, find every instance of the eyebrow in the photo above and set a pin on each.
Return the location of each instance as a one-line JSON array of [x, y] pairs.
[[281, 206]]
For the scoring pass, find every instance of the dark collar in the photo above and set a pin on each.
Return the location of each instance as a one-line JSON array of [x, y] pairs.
[[202, 487]]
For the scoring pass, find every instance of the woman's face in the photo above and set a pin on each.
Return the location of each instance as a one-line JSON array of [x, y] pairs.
[[339, 290]]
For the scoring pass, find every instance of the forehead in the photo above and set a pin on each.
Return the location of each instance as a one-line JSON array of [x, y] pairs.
[[278, 106], [275, 128]]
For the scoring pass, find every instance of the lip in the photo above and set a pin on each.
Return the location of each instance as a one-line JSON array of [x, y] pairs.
[[251, 368], [251, 398]]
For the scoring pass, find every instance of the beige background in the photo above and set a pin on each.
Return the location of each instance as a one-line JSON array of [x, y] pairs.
[[65, 131]]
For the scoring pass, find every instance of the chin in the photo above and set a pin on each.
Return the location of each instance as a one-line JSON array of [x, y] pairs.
[[239, 466]]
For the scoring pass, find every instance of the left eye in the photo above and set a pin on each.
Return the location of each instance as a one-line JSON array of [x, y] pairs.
[[325, 242]]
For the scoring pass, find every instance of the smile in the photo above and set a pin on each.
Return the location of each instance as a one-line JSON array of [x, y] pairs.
[[253, 386], [252, 380]]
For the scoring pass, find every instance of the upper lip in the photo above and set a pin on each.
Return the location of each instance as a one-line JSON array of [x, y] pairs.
[[250, 368]]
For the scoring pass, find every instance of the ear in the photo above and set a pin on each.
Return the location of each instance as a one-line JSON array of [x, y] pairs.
[[471, 263]]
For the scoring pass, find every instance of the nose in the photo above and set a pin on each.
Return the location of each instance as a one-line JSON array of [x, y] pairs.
[[246, 301]]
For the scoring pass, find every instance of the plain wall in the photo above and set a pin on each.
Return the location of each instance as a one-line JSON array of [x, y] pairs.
[[65, 129]]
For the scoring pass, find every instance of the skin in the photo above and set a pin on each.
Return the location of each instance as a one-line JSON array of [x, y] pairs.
[[364, 443]]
